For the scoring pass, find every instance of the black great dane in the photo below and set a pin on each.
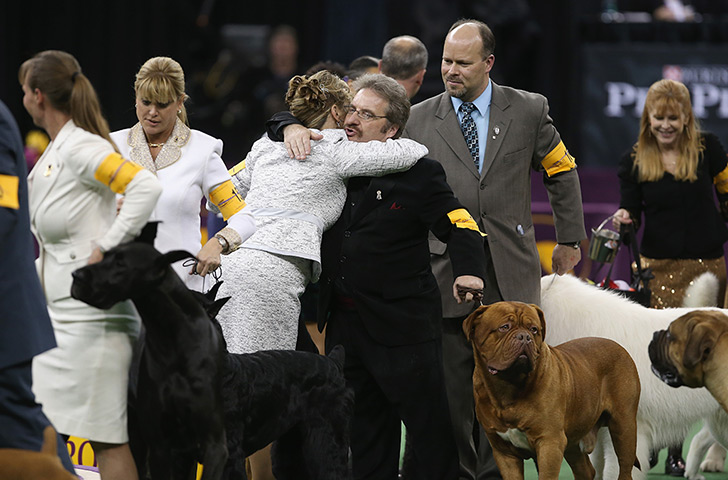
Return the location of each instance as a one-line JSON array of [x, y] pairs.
[[195, 402]]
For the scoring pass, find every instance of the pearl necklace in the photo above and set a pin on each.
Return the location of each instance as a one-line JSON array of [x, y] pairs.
[[155, 145]]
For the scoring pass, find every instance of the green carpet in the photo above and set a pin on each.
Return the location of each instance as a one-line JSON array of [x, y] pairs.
[[657, 473]]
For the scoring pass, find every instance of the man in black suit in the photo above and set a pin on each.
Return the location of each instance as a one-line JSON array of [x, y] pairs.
[[25, 326], [380, 300]]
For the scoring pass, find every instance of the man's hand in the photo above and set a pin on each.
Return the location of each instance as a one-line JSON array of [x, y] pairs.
[[468, 282], [208, 258], [297, 139], [564, 258]]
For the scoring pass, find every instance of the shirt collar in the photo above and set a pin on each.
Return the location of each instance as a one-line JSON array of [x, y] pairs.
[[482, 103]]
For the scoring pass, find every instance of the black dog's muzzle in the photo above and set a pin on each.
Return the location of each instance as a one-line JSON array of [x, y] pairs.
[[660, 358], [83, 289]]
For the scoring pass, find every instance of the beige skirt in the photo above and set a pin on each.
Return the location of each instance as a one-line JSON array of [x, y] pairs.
[[674, 276], [82, 383]]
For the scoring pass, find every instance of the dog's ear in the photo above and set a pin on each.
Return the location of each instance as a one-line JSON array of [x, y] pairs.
[[174, 256], [700, 344], [213, 309], [148, 233], [541, 317], [469, 322], [212, 293]]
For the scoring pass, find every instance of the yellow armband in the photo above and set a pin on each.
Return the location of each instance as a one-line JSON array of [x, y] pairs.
[[226, 198], [721, 181], [461, 219], [9, 192], [240, 166], [558, 160], [116, 172]]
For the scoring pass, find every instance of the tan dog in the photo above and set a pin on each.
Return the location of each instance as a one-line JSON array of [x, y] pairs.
[[18, 464], [547, 403], [693, 352]]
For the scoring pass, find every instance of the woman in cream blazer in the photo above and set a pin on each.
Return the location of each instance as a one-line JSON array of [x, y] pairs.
[[82, 384]]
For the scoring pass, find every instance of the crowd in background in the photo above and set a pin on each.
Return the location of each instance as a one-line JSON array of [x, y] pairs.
[[235, 101]]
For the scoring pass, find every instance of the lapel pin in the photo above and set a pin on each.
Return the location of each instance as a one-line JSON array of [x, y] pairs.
[[496, 131], [48, 169], [379, 194]]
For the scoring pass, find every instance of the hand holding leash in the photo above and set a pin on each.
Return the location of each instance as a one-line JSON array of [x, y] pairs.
[[468, 288]]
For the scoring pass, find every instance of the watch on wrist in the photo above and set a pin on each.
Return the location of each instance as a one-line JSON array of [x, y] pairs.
[[574, 245], [223, 243]]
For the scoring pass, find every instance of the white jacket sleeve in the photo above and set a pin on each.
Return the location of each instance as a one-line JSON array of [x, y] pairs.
[[141, 197]]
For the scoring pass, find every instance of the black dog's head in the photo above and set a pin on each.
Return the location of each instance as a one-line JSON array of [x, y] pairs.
[[126, 271], [662, 366]]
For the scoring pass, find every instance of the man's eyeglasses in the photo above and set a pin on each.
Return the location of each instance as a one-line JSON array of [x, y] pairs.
[[363, 114]]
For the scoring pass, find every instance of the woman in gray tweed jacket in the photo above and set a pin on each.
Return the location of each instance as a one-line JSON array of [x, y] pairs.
[[293, 203]]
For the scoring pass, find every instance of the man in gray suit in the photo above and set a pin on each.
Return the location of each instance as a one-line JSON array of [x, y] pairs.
[[489, 138]]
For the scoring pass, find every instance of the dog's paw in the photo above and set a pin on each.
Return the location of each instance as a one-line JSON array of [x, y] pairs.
[[697, 476], [711, 465], [714, 459]]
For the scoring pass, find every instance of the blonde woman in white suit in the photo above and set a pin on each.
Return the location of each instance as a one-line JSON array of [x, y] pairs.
[[82, 384], [189, 166]]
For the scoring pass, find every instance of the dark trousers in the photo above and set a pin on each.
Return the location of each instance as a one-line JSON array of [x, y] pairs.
[[394, 385], [476, 455], [476, 462], [21, 419]]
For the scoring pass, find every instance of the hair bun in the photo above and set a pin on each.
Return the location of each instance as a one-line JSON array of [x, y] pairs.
[[308, 89]]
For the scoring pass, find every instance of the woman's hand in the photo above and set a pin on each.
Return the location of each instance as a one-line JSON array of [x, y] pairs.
[[208, 258], [620, 216], [96, 256]]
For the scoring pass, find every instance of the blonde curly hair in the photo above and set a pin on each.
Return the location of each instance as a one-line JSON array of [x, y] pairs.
[[311, 97]]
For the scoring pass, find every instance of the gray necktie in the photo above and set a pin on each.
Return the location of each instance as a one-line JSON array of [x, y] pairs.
[[470, 132]]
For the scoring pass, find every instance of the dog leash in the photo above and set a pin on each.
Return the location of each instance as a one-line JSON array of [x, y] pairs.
[[192, 262], [477, 293]]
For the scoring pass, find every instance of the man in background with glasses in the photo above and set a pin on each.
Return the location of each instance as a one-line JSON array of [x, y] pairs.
[[379, 298]]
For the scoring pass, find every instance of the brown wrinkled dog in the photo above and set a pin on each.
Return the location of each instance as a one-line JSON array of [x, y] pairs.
[[18, 464], [693, 352], [547, 403]]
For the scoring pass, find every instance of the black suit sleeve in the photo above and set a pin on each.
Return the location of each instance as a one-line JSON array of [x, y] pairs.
[[453, 224], [274, 126]]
